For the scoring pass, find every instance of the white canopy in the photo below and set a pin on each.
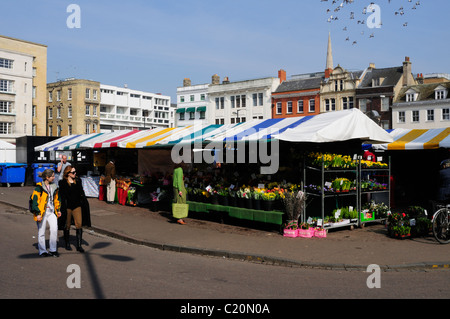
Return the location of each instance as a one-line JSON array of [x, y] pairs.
[[337, 126]]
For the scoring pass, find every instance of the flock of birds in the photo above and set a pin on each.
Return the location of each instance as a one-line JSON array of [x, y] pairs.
[[336, 10]]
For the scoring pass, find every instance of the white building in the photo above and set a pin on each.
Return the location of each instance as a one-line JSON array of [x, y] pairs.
[[423, 106], [122, 108], [16, 95], [192, 104], [235, 102]]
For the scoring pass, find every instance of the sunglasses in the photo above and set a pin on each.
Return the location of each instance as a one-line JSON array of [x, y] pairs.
[[74, 172]]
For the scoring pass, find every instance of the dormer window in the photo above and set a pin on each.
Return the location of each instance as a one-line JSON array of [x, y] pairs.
[[440, 93], [410, 97]]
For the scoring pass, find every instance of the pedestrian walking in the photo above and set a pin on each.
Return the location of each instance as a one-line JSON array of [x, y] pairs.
[[110, 180], [46, 209], [74, 205], [179, 190], [61, 167]]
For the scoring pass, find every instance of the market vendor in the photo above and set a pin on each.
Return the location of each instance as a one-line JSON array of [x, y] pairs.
[[179, 191], [369, 156]]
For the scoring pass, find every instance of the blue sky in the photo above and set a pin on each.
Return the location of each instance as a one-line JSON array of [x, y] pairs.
[[152, 45]]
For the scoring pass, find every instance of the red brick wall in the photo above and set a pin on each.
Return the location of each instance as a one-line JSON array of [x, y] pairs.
[[294, 100]]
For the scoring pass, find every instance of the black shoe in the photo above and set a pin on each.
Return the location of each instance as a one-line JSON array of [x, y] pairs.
[[67, 239], [79, 233], [53, 253], [45, 254]]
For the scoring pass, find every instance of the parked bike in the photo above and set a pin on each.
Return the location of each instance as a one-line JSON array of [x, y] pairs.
[[441, 224]]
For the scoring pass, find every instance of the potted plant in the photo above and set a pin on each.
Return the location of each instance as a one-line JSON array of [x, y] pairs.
[[305, 230], [268, 198], [223, 196], [291, 229], [257, 198], [232, 197], [293, 202]]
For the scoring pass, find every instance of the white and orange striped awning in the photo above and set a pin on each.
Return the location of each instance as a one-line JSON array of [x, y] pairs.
[[417, 139]]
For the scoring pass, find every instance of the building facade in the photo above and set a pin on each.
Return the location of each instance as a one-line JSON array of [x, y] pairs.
[[236, 102], [422, 106], [192, 103], [38, 69], [73, 107], [299, 96], [122, 108], [378, 89], [16, 95]]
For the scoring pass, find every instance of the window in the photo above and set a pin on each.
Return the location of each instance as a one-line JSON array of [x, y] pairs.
[[202, 97], [445, 114], [415, 117], [312, 105], [238, 101], [88, 128], [50, 113], [441, 94], [333, 104], [222, 102], [88, 93], [33, 111], [430, 115], [69, 111], [300, 106], [94, 93], [33, 94], [58, 95], [243, 98], [410, 97], [327, 105], [384, 104], [289, 107], [191, 115], [279, 108], [88, 110], [401, 117], [69, 129], [50, 96], [351, 103], [94, 110], [344, 103], [58, 130], [6, 86], [94, 128], [260, 99], [58, 113], [69, 93], [255, 99], [202, 115], [363, 105], [232, 120], [192, 98], [6, 63], [181, 117], [217, 103], [232, 102], [5, 107], [5, 128], [50, 130]]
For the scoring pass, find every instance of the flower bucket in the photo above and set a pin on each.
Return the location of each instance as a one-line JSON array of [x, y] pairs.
[[320, 233], [267, 205], [306, 233], [290, 233]]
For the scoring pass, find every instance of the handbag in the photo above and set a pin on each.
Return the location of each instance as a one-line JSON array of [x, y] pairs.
[[180, 210]]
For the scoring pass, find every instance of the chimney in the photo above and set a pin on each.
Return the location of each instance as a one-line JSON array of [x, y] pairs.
[[407, 72], [187, 82], [419, 78], [225, 80], [215, 79], [282, 75], [372, 66]]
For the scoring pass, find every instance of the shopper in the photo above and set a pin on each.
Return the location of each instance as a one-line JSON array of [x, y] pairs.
[[46, 209], [179, 191], [73, 199], [62, 166], [110, 179]]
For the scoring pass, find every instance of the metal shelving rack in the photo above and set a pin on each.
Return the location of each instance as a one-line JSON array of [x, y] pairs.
[[357, 171]]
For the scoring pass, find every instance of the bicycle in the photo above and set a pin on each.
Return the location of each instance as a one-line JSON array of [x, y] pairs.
[[441, 224]]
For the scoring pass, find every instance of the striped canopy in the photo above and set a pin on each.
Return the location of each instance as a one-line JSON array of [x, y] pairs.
[[417, 139]]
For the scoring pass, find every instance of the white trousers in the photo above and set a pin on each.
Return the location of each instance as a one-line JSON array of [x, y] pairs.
[[111, 191], [52, 222]]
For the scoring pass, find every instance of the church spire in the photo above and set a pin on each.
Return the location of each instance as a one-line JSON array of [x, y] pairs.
[[329, 67]]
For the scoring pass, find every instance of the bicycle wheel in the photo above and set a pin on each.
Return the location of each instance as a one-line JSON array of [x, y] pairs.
[[441, 223]]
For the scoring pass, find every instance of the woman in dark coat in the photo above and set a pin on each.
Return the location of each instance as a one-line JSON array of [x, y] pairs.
[[73, 205]]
